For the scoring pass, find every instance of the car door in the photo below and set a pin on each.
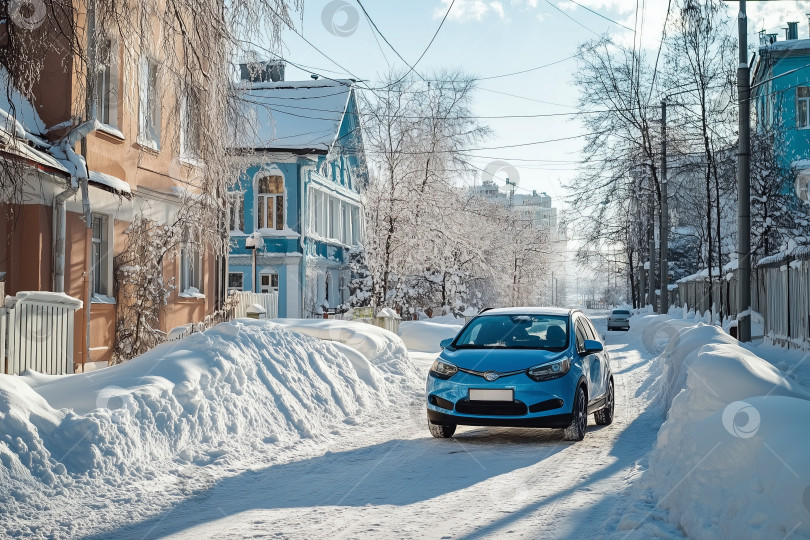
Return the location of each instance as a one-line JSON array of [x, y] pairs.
[[598, 362], [581, 336]]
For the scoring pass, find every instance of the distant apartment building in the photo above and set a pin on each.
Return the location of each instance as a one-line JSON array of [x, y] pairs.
[[536, 206]]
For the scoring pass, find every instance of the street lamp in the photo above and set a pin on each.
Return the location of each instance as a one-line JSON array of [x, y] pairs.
[[253, 243]]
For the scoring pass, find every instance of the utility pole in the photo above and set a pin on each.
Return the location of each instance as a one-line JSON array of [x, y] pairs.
[[511, 192], [651, 245], [744, 184], [664, 280]]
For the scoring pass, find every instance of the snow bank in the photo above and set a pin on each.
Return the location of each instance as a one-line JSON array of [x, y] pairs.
[[245, 386], [730, 460], [425, 336]]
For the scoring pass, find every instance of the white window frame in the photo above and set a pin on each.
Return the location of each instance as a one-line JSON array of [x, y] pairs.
[[241, 287], [262, 201], [149, 104], [189, 126], [803, 123], [272, 282], [236, 212], [106, 83], [98, 254], [190, 268]]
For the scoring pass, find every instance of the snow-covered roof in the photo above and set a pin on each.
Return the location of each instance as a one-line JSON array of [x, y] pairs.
[[294, 115], [788, 45], [17, 106], [112, 182]]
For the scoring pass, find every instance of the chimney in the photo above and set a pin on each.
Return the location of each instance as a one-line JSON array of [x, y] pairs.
[[792, 30], [262, 71]]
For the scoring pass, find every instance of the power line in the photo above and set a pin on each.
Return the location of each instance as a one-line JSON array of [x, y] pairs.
[[600, 15], [660, 46], [570, 17], [527, 70], [264, 100], [436, 33], [374, 26]]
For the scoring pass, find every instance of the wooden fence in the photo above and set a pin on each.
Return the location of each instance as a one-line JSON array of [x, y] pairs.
[[243, 300], [780, 292]]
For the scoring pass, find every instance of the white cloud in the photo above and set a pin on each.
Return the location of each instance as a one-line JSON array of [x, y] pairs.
[[464, 10]]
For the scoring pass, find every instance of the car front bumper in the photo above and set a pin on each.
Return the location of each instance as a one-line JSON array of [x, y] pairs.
[[545, 404]]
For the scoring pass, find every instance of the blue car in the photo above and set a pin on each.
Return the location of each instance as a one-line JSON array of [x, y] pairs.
[[522, 367]]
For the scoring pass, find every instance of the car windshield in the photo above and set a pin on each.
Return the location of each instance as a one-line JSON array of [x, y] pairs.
[[515, 332], [621, 312]]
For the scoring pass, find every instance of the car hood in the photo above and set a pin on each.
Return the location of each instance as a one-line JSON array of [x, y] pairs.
[[501, 360]]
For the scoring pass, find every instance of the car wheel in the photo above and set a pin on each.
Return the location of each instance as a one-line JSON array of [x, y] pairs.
[[441, 431], [604, 417], [576, 431]]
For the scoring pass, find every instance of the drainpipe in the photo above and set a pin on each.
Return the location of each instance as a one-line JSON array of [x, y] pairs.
[[59, 226], [82, 175]]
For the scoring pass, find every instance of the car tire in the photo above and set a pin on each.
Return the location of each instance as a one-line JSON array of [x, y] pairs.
[[604, 417], [441, 431], [579, 423]]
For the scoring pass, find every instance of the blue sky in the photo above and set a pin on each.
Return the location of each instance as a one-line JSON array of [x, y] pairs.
[[489, 38]]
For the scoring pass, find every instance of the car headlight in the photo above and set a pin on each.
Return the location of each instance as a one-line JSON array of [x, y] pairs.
[[443, 370], [549, 371]]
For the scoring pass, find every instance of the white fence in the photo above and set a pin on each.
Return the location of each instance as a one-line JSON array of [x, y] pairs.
[[36, 332], [243, 300]]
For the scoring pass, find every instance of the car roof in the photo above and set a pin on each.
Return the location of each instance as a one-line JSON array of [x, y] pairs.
[[557, 311]]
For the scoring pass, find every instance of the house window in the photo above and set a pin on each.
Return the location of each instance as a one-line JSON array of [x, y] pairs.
[[149, 104], [270, 203], [355, 225], [98, 256], [190, 266], [235, 281], [333, 216], [190, 124], [268, 283], [106, 91], [236, 213], [803, 106]]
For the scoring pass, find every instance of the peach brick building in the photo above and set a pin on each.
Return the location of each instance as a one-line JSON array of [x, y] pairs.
[[135, 167]]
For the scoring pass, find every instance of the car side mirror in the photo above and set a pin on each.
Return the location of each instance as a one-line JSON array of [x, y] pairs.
[[445, 342], [593, 346]]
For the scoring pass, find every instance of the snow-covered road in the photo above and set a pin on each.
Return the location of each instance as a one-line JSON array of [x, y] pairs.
[[390, 478]]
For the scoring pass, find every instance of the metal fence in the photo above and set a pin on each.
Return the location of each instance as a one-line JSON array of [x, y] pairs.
[[37, 335], [243, 300]]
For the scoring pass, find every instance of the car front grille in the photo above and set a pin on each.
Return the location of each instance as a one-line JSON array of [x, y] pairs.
[[491, 408]]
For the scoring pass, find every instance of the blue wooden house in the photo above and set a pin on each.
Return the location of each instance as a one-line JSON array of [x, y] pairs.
[[303, 173], [780, 93]]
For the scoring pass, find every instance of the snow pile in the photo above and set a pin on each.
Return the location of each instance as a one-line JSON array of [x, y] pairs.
[[240, 388], [658, 332], [730, 460], [425, 336]]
